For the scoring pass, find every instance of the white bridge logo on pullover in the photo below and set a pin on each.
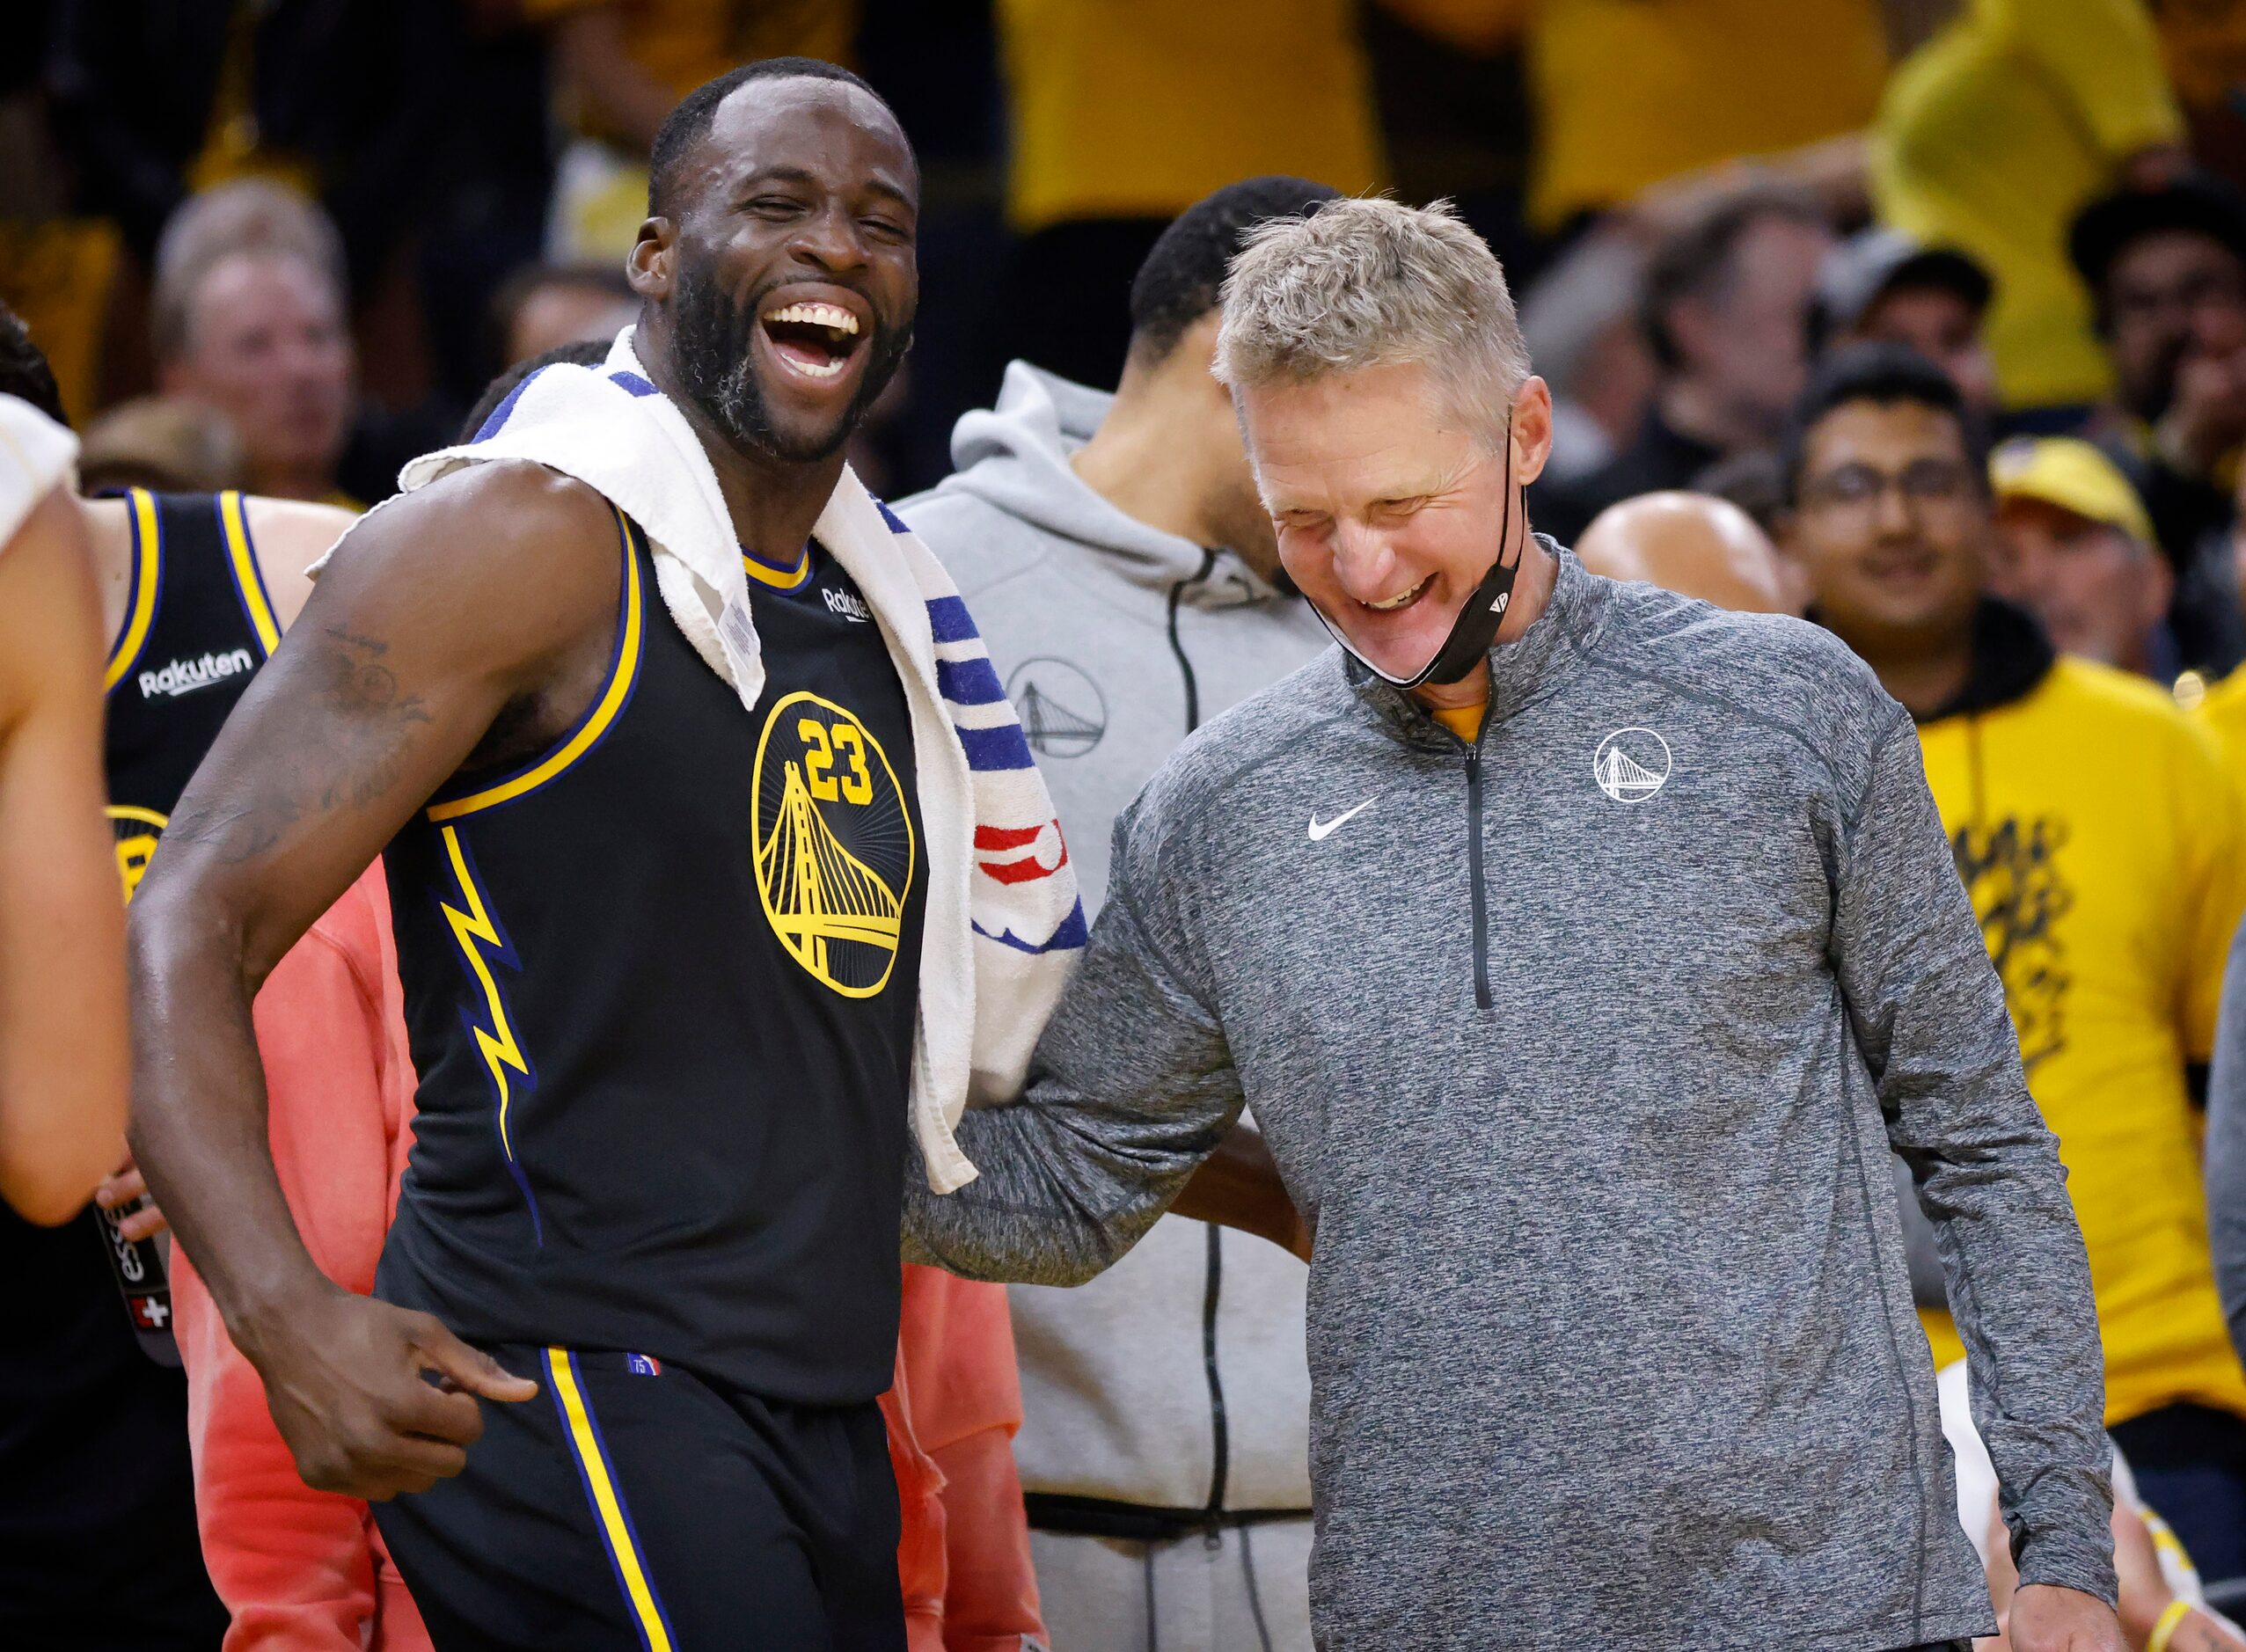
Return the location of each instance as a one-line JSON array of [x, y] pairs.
[[185, 677], [1631, 764]]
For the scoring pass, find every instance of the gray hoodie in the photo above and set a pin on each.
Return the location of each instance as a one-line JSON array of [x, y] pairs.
[[1177, 1381], [1585, 1046]]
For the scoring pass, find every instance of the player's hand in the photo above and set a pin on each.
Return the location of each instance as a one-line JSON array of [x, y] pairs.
[[344, 1379], [122, 1190], [2045, 1617]]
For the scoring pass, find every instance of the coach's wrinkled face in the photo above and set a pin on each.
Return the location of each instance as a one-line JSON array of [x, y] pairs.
[[791, 280], [1389, 502]]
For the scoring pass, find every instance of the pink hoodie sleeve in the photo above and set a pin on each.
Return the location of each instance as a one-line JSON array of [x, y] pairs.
[[302, 1570]]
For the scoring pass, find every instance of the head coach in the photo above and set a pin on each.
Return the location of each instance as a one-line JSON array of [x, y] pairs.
[[1583, 950]]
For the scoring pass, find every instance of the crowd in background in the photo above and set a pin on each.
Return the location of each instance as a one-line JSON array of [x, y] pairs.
[[283, 246]]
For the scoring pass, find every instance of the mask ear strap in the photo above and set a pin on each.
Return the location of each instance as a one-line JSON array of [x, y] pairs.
[[1475, 628]]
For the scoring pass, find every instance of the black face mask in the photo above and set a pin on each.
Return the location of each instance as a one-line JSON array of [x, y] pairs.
[[1476, 627]]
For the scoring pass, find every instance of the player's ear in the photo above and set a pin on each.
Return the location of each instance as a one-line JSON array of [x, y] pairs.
[[649, 265]]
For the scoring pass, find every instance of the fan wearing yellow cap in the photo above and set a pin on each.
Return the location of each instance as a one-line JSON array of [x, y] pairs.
[[2074, 547]]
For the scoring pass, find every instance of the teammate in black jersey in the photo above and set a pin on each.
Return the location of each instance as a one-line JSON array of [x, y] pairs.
[[660, 1142], [97, 1512]]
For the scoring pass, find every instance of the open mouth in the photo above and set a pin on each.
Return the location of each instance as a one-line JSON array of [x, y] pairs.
[[816, 340], [1403, 601]]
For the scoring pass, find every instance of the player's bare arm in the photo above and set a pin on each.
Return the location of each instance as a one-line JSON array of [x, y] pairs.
[[290, 535], [468, 625], [63, 1047]]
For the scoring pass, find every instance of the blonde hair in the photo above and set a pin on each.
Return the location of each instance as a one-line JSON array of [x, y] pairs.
[[1372, 282]]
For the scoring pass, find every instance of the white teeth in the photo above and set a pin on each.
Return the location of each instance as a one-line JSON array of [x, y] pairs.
[[816, 315], [809, 371], [1398, 602]]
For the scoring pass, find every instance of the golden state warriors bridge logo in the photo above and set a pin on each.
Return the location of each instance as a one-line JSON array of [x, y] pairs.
[[135, 832], [834, 844]]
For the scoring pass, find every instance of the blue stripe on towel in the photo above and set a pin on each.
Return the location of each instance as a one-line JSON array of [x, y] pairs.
[[970, 681], [1000, 748], [949, 620], [1069, 935], [490, 426]]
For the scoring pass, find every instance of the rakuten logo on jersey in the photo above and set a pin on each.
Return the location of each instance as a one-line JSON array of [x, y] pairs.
[[185, 677]]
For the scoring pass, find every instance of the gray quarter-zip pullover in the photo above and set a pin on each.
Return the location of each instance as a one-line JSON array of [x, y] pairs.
[[1586, 1047]]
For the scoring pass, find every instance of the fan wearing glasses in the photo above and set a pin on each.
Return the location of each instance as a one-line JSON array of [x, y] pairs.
[[2103, 850]]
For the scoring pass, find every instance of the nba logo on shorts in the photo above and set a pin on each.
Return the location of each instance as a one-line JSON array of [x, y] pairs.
[[643, 1364]]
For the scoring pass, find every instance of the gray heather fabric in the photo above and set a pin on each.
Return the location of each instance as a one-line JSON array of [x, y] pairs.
[[2226, 1144], [1076, 601], [1610, 1331]]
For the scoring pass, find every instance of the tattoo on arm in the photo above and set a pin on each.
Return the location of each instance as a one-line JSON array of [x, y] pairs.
[[370, 723]]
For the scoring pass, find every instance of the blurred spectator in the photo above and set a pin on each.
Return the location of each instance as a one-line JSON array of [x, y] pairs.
[[2167, 269], [2075, 548], [2105, 853], [548, 305], [168, 446], [248, 318], [1122, 115], [1693, 544], [1627, 95], [1881, 284], [1723, 311], [1992, 137], [1165, 1444], [1755, 481], [1581, 321], [621, 64], [157, 99]]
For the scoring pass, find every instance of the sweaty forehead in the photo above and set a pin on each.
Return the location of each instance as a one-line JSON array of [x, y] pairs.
[[829, 130]]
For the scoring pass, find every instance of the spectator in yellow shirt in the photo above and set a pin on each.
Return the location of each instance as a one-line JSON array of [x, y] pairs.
[[1125, 113], [1629, 93], [2106, 857], [2074, 547], [1994, 135]]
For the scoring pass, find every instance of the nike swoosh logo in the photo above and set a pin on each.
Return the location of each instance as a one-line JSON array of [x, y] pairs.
[[1320, 830]]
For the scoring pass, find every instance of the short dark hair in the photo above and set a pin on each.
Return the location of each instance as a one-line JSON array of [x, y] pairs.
[[24, 370], [684, 126], [1695, 260], [1885, 374], [585, 353], [1183, 276]]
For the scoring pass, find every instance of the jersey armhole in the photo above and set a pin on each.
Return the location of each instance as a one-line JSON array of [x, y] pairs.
[[600, 716]]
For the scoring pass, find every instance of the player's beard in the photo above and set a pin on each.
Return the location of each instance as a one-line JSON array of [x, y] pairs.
[[712, 350]]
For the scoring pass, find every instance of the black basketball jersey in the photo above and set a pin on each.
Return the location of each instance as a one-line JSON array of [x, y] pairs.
[[198, 624], [662, 985]]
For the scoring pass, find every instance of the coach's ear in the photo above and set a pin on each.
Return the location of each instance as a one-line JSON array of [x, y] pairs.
[[648, 267]]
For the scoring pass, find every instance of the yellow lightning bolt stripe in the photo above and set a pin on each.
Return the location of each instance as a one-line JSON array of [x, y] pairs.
[[498, 1045]]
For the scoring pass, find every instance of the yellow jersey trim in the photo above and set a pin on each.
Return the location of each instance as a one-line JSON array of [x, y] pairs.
[[624, 670], [779, 579], [608, 1503], [148, 572], [500, 1050], [241, 553]]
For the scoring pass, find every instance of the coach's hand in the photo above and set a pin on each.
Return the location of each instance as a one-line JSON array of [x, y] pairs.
[[2045, 1617], [344, 1377]]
